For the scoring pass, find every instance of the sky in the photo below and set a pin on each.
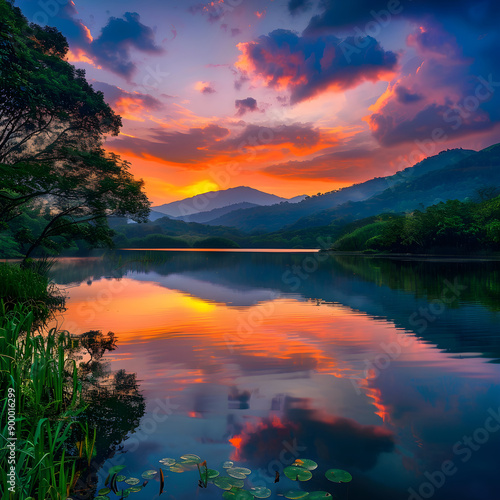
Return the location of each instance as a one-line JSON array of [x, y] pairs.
[[290, 97]]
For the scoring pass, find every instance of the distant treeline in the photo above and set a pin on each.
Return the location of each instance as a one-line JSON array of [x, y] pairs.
[[163, 241], [447, 227]]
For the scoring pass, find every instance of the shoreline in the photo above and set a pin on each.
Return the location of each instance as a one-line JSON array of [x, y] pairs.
[[419, 256]]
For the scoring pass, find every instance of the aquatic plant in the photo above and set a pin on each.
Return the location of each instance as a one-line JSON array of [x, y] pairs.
[[41, 401], [232, 486]]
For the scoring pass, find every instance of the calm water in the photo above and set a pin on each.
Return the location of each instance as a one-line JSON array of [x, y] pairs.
[[388, 369]]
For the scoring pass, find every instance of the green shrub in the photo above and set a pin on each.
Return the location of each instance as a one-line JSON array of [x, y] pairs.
[[30, 285]]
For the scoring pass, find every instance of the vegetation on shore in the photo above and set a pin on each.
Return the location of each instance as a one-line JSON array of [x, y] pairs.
[[452, 227], [31, 287], [59, 187], [41, 401], [58, 184]]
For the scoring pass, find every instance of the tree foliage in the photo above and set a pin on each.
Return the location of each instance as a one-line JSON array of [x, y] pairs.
[[52, 130], [452, 227]]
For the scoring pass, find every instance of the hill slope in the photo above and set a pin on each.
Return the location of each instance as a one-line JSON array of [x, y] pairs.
[[267, 219], [204, 217], [459, 180]]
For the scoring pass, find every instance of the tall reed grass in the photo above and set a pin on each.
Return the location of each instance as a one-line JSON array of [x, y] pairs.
[[47, 391]]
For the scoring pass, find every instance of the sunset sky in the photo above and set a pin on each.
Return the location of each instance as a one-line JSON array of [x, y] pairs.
[[286, 96]]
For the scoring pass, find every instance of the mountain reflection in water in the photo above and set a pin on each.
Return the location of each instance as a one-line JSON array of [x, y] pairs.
[[380, 367]]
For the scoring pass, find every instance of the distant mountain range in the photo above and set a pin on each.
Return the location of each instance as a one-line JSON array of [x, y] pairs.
[[266, 219], [206, 217], [210, 201], [451, 174]]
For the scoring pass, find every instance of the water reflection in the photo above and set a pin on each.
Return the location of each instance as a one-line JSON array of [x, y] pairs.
[[115, 406], [366, 365]]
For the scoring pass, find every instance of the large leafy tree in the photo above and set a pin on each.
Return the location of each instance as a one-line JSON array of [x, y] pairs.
[[52, 128]]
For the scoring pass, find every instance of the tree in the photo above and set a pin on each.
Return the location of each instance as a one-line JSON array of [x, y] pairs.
[[52, 130]]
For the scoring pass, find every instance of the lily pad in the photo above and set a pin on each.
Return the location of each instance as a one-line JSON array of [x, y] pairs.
[[211, 473], [149, 474], [177, 468], [243, 470], [135, 489], [228, 464], [104, 491], [132, 481], [191, 457], [338, 476], [260, 492], [223, 483], [167, 461], [306, 463], [319, 495], [120, 478], [236, 483], [238, 495], [236, 474], [115, 469], [296, 494], [297, 473]]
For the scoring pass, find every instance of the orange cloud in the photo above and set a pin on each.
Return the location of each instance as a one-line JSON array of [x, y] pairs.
[[309, 66], [79, 55], [129, 108]]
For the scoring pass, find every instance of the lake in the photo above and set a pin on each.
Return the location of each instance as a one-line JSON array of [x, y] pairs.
[[386, 368]]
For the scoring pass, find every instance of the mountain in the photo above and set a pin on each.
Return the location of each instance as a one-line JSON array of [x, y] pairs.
[[267, 219], [204, 217], [459, 180], [218, 199], [155, 215]]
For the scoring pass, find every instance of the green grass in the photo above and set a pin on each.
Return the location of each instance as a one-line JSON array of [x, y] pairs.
[[47, 405]]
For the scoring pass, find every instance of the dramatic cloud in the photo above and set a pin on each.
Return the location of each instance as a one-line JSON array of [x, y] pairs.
[[357, 12], [113, 47], [438, 101], [244, 105], [129, 105], [196, 147], [114, 95], [298, 134], [299, 6], [347, 165], [175, 147], [330, 438], [310, 65], [404, 96]]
